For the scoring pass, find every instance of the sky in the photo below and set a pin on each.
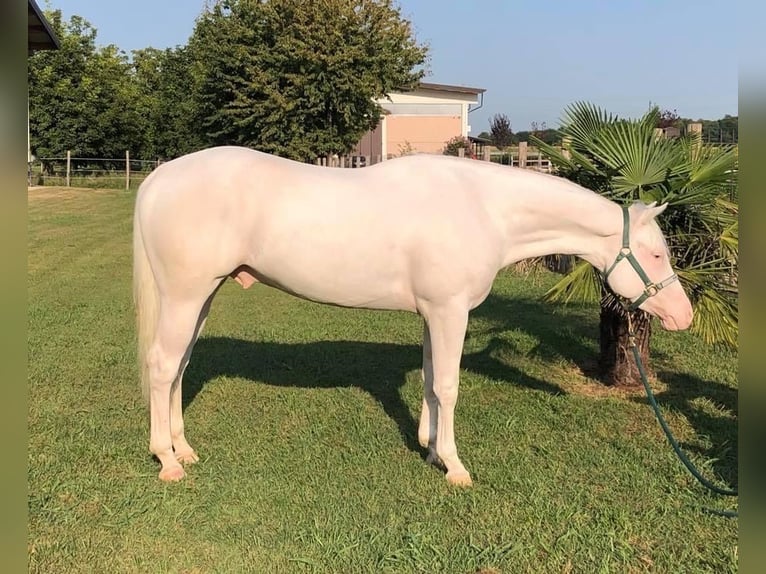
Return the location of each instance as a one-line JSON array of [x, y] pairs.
[[532, 58]]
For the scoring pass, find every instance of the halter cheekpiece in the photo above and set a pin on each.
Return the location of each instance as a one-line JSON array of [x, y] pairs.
[[650, 288]]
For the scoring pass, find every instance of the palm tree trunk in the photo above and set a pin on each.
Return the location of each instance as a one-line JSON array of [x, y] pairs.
[[616, 363]]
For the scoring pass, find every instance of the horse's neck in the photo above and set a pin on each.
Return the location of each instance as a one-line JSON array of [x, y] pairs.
[[560, 219]]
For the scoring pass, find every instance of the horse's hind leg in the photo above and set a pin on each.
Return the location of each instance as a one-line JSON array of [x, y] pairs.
[[184, 452], [427, 426], [178, 322]]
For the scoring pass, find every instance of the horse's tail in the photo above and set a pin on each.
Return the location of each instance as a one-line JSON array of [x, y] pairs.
[[146, 300]]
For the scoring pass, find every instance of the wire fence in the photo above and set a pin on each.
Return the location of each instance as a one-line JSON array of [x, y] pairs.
[[71, 171], [128, 173]]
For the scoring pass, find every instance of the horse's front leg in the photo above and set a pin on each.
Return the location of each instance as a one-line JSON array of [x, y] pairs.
[[446, 326]]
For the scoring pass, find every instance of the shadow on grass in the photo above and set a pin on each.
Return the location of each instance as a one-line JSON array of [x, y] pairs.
[[561, 334], [377, 368], [380, 368], [720, 431]]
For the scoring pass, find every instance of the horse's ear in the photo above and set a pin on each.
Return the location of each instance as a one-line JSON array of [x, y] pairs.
[[645, 213]]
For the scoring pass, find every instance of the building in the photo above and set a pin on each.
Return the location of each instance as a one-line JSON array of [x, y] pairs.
[[40, 36], [420, 121]]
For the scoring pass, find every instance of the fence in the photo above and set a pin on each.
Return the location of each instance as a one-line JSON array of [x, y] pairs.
[[523, 156], [128, 173], [90, 172], [520, 156]]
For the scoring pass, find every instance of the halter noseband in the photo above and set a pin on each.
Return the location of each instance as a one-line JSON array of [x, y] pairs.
[[651, 289]]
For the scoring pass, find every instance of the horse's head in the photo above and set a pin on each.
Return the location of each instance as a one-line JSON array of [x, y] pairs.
[[642, 273]]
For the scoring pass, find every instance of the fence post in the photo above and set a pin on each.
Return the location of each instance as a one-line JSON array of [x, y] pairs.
[[127, 170], [461, 152], [522, 154], [68, 165], [695, 129], [566, 143]]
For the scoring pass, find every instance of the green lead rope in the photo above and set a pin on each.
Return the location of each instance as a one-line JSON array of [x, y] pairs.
[[673, 442]]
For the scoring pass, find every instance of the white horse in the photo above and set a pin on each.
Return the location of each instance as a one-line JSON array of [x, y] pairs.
[[423, 233]]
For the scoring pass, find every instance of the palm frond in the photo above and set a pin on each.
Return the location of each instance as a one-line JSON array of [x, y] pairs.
[[716, 317], [651, 118], [554, 154], [581, 120], [642, 160], [583, 283], [729, 240], [710, 165]]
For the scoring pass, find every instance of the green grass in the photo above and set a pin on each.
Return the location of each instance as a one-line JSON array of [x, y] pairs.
[[305, 420]]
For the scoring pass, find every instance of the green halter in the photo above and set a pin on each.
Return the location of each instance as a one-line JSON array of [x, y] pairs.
[[651, 288]]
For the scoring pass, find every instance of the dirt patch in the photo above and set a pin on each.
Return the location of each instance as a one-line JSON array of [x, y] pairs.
[[39, 192], [583, 381]]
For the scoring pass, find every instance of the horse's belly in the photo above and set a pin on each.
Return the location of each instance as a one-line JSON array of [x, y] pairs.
[[327, 280]]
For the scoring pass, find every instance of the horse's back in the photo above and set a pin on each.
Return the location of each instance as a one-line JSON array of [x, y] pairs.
[[361, 237]]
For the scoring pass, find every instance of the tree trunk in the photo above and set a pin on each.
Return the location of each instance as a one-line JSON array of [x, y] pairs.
[[616, 362]]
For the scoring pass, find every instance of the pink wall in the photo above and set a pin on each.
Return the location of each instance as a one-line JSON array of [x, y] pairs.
[[425, 134]]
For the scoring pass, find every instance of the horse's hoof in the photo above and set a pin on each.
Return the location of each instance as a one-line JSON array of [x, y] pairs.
[[172, 474], [188, 457], [459, 478]]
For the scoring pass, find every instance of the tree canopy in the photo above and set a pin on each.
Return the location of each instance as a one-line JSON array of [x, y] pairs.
[[294, 78], [82, 98], [298, 78], [500, 133], [163, 79]]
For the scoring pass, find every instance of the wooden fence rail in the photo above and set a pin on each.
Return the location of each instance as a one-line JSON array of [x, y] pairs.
[[518, 156], [117, 172]]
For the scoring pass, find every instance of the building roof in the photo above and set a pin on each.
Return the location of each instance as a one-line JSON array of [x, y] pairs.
[[40, 35], [449, 88]]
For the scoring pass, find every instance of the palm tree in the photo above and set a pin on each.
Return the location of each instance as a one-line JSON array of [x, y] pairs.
[[626, 160]]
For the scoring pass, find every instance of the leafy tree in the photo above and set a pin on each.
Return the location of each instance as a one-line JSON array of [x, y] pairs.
[[82, 98], [548, 135], [453, 145], [625, 161], [162, 78], [537, 127], [501, 134], [724, 130], [298, 78], [668, 118]]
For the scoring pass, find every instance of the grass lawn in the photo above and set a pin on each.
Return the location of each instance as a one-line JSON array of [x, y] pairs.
[[305, 419]]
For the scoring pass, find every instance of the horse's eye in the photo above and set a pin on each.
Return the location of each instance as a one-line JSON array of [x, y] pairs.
[[657, 256]]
